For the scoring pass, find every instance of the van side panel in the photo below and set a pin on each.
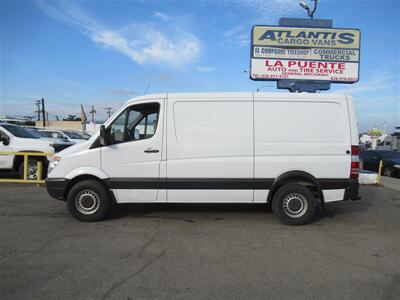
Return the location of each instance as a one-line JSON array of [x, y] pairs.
[[209, 147], [353, 121], [305, 135]]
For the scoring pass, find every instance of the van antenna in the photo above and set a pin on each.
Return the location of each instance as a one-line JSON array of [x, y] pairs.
[[147, 88]]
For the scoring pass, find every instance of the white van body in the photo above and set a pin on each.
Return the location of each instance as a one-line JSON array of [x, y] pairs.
[[220, 148]]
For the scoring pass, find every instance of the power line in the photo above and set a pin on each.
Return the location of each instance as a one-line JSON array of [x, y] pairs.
[[147, 88], [38, 110], [93, 113], [108, 110], [43, 113]]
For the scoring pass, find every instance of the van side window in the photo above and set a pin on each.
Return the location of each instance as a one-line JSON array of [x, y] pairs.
[[117, 129], [137, 122]]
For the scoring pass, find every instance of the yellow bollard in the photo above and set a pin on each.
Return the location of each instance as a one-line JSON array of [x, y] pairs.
[[379, 172], [25, 167], [26, 155], [39, 171]]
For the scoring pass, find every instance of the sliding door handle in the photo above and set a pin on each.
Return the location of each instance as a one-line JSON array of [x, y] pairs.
[[151, 150]]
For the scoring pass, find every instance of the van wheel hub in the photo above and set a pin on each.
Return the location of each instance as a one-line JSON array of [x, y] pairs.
[[294, 205], [87, 202]]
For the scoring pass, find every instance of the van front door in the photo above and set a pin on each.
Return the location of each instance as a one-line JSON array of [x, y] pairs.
[[133, 155]]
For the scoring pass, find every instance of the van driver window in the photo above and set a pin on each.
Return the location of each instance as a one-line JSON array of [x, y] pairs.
[[137, 122]]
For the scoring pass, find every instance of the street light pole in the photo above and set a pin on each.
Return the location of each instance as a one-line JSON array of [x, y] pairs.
[[310, 12]]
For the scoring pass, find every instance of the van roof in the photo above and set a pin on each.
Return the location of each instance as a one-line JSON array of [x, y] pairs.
[[321, 96]]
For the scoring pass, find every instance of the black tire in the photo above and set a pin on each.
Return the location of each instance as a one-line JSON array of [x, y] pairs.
[[32, 167], [89, 201], [300, 211], [387, 171]]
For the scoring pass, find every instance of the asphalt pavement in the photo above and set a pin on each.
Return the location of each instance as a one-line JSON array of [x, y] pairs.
[[186, 251]]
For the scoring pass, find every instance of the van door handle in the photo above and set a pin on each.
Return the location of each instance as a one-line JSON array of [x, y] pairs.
[[151, 150]]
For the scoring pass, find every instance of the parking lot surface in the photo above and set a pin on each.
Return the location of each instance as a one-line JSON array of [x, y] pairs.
[[160, 251]]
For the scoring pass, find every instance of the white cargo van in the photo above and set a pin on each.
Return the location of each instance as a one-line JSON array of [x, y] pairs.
[[294, 151]]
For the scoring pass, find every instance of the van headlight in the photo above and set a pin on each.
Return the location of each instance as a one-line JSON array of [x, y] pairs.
[[54, 160]]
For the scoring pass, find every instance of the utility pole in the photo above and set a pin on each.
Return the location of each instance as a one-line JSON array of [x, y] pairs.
[[38, 111], [108, 110], [93, 113], [43, 113]]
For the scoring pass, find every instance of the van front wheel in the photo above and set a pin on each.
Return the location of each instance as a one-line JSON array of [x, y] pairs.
[[294, 204], [89, 201]]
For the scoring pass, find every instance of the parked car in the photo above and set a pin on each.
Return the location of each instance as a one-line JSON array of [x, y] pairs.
[[390, 160], [58, 144], [69, 135], [87, 134], [14, 138], [294, 151]]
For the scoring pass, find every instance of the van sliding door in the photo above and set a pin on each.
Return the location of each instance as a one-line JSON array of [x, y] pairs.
[[210, 148]]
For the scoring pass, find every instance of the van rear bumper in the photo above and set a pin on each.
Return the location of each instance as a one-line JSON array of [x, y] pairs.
[[56, 187], [351, 191]]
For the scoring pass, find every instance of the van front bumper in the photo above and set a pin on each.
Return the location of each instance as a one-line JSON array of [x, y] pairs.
[[351, 191], [56, 187]]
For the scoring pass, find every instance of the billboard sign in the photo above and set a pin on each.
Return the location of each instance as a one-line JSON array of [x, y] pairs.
[[328, 54]]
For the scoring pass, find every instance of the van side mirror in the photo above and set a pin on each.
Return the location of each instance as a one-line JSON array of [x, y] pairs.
[[104, 138], [5, 140]]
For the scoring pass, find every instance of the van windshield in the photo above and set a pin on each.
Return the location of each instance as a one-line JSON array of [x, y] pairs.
[[20, 132]]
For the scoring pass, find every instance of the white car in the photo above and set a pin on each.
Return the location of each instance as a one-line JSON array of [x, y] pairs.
[[58, 144], [294, 151], [14, 138], [87, 134], [69, 135]]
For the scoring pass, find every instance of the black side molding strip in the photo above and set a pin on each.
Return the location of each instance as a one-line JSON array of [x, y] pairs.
[[211, 183], [334, 184], [56, 187]]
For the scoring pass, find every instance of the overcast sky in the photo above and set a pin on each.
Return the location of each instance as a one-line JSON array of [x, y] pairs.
[[102, 53]]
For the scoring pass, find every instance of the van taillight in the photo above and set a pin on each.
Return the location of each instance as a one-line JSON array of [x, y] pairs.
[[355, 162], [355, 150]]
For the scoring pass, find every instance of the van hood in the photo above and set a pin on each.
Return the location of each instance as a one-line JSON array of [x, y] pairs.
[[85, 145]]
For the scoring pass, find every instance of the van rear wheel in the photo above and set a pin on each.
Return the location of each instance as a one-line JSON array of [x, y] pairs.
[[89, 201], [294, 204]]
